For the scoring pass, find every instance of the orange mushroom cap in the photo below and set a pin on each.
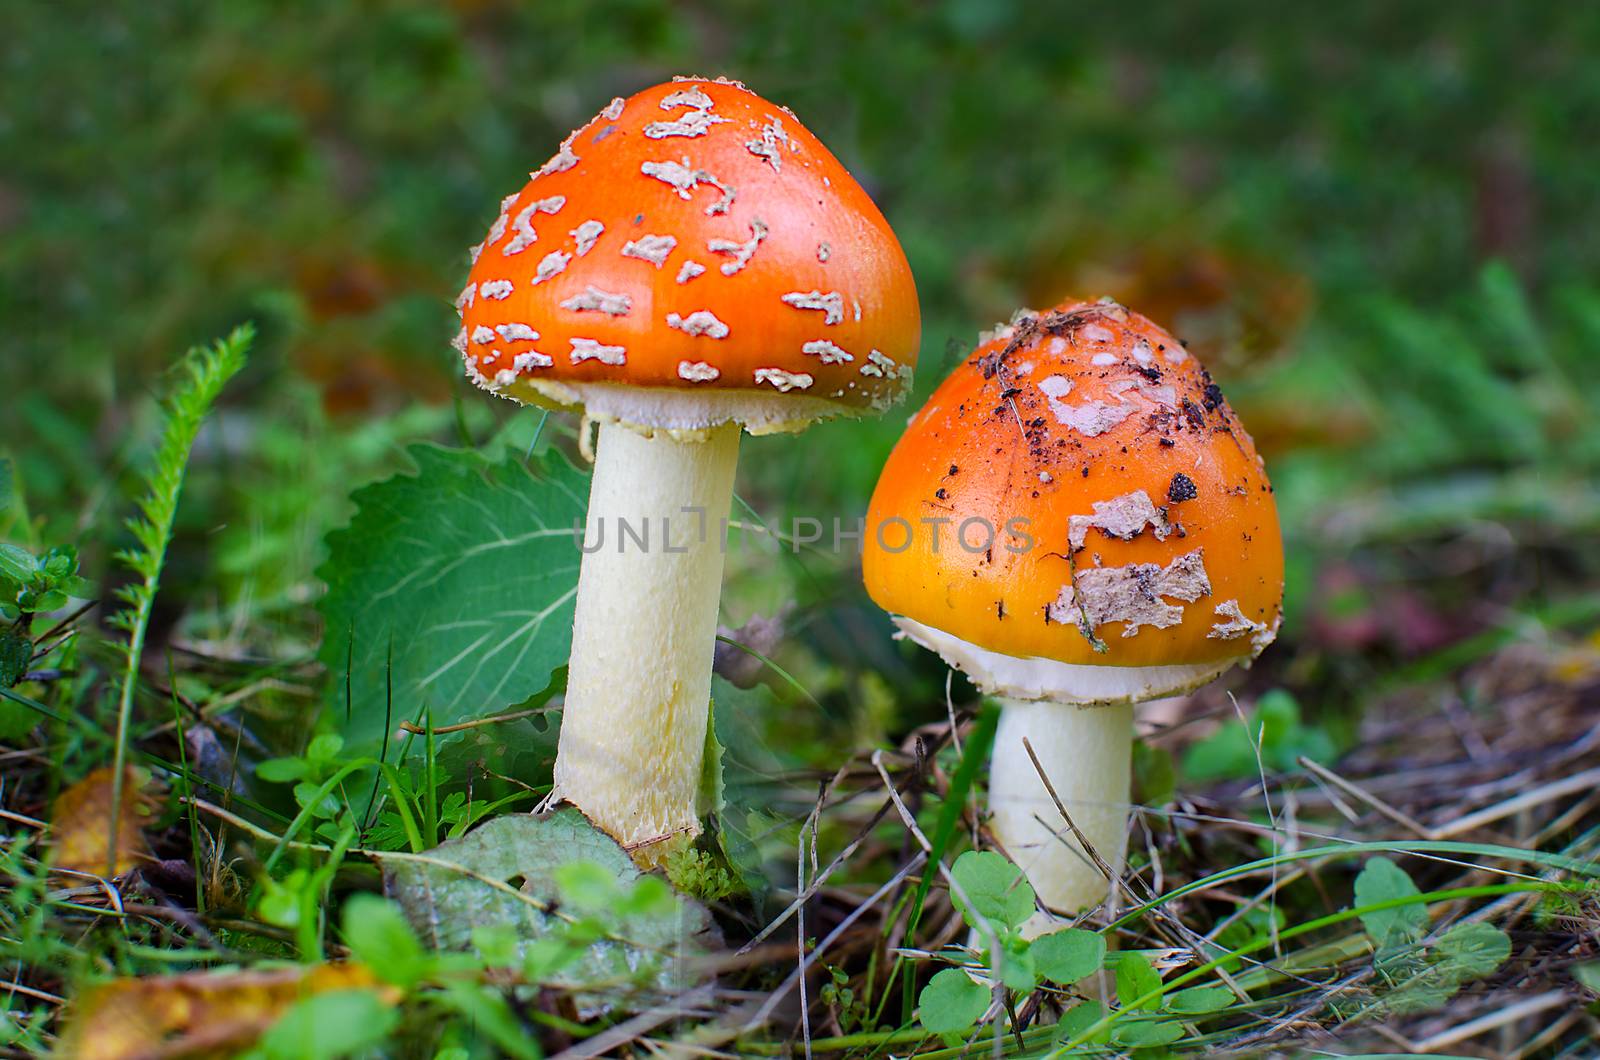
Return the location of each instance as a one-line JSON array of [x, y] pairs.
[[692, 256], [1132, 522]]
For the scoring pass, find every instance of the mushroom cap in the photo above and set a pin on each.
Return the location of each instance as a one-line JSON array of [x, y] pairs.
[[692, 256], [1135, 548]]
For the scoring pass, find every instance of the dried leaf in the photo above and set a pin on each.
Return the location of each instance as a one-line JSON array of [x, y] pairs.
[[447, 898], [198, 1013], [81, 822]]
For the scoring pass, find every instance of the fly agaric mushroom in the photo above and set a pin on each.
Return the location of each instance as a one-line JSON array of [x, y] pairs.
[[690, 262], [1109, 536]]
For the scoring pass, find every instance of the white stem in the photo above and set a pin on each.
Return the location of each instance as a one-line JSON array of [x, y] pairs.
[[634, 728], [1087, 753]]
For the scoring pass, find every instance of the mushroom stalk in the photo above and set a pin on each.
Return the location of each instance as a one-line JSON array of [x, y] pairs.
[[639, 682], [1086, 752]]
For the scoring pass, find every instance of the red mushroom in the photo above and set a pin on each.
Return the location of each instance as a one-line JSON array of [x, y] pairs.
[[692, 261], [1108, 536]]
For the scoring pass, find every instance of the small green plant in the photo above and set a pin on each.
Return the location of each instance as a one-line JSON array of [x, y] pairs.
[[996, 900], [30, 584], [202, 374], [1274, 727], [1421, 975]]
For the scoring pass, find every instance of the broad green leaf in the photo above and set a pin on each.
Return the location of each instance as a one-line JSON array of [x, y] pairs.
[[1144, 1034], [324, 747], [995, 888], [462, 577], [281, 770], [1066, 956], [377, 932], [1136, 977], [1200, 999], [951, 1002], [1016, 966], [1472, 951], [445, 903], [1382, 881], [1079, 1018], [324, 1026], [17, 564]]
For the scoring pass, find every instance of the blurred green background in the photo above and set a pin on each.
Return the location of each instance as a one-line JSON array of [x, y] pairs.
[[1376, 222]]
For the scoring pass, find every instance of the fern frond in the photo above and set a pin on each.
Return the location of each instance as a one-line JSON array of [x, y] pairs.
[[201, 376]]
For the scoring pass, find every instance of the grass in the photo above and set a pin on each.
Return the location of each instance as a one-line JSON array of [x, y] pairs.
[[1381, 840]]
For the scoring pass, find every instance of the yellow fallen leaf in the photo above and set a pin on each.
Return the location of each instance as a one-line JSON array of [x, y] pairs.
[[80, 822], [200, 1013]]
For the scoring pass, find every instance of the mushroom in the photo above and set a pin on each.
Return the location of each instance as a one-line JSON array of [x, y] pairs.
[[690, 262], [1078, 521]]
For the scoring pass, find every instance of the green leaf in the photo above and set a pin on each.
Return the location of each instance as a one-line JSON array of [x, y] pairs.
[[1016, 966], [1136, 977], [497, 945], [1145, 1034], [462, 576], [324, 747], [492, 1017], [1426, 992], [1200, 999], [996, 889], [17, 564], [328, 1025], [1382, 881], [951, 1002], [281, 770], [586, 886], [713, 795], [1472, 951], [377, 932], [16, 651], [1079, 1018], [449, 896], [1274, 723], [1066, 956]]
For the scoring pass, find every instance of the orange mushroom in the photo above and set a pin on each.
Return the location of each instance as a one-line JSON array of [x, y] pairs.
[[1078, 521], [690, 262]]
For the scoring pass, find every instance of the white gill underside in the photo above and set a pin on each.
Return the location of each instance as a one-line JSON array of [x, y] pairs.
[[639, 681], [680, 412], [1046, 679]]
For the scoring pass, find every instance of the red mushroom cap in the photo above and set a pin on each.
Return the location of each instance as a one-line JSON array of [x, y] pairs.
[[692, 256]]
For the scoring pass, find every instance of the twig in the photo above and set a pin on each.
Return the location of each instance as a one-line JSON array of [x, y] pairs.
[[855, 914], [1510, 1014], [614, 1037], [1399, 817], [31, 822], [1584, 781], [1083, 841], [493, 719], [28, 991]]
